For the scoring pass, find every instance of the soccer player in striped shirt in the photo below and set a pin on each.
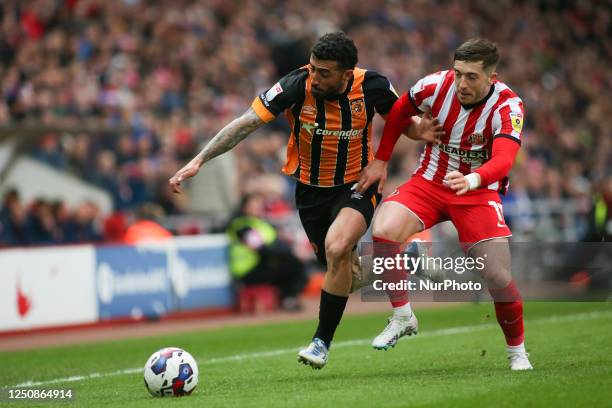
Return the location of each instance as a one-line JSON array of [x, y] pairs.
[[330, 105], [458, 179]]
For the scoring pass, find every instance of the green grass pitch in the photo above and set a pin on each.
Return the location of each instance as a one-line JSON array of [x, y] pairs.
[[457, 360]]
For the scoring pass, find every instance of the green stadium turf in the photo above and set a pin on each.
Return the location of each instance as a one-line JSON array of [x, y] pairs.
[[457, 360]]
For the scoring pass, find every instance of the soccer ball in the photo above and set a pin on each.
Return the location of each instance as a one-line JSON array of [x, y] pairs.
[[171, 371]]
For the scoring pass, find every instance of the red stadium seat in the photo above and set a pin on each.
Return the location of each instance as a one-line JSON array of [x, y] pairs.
[[258, 299]]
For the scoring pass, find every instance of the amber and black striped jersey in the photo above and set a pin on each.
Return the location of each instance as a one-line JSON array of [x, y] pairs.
[[331, 139]]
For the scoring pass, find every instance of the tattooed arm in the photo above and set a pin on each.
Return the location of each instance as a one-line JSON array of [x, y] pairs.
[[228, 137]]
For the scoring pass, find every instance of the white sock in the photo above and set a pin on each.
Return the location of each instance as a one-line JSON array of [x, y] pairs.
[[403, 311], [516, 349]]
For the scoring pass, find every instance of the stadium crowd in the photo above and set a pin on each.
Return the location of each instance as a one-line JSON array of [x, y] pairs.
[[169, 74]]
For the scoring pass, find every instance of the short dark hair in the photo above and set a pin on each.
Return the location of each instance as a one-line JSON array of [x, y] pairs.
[[336, 47], [478, 49]]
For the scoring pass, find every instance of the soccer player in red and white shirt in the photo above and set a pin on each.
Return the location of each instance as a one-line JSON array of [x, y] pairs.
[[459, 179]]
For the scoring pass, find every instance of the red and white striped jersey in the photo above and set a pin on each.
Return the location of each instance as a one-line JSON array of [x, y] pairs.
[[469, 131]]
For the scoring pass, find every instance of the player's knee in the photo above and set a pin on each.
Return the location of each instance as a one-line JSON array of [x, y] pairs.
[[496, 275], [386, 230], [497, 279], [338, 247]]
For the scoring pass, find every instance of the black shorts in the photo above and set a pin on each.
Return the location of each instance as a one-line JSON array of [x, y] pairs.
[[319, 206]]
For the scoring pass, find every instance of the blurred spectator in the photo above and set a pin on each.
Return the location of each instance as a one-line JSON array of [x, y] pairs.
[[84, 224], [105, 177], [64, 222], [175, 73], [49, 151], [14, 220], [115, 226], [145, 228], [590, 260], [257, 256], [600, 216], [45, 223]]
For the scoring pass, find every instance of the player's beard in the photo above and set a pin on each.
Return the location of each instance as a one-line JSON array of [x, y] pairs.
[[332, 91]]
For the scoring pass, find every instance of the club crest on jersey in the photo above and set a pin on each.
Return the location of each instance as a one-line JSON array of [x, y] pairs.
[[357, 105], [517, 121], [476, 138]]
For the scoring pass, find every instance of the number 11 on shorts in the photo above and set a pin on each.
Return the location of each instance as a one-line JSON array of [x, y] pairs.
[[499, 211]]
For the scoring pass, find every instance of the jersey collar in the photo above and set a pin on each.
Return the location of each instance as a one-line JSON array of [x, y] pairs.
[[480, 102]]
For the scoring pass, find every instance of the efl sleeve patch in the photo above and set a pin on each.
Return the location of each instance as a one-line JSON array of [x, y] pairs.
[[274, 91], [516, 118]]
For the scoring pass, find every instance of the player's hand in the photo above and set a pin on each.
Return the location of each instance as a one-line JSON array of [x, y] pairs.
[[190, 170], [459, 183], [429, 129], [373, 172]]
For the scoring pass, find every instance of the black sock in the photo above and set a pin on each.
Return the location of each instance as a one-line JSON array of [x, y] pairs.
[[330, 313]]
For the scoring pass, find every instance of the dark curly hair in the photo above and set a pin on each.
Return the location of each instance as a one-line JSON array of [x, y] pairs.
[[336, 47]]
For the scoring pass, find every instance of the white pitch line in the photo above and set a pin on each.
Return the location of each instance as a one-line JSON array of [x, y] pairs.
[[340, 344]]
